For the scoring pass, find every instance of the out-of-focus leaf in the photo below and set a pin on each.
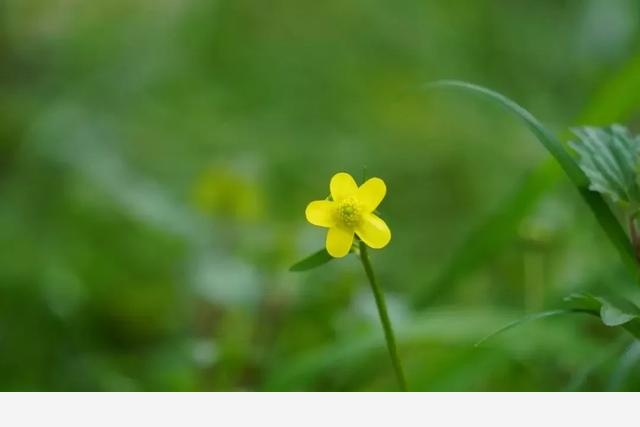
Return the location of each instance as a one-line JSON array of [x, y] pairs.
[[532, 317], [618, 96], [609, 351], [614, 310], [609, 157], [491, 235], [626, 363], [312, 261], [454, 329]]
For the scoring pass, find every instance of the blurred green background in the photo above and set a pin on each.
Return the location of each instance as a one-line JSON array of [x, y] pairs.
[[156, 157]]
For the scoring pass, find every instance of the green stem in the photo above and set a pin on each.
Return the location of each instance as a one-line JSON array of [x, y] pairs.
[[633, 233], [384, 316]]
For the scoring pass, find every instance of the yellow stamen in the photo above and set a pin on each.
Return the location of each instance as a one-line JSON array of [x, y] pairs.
[[349, 212]]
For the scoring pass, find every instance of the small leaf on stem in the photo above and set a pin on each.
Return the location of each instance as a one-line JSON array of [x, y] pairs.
[[312, 261]]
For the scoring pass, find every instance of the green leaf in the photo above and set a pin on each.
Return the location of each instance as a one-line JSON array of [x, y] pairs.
[[312, 261], [546, 138], [618, 96], [595, 201], [614, 310], [617, 99], [452, 330], [613, 316], [491, 235], [532, 317], [609, 158]]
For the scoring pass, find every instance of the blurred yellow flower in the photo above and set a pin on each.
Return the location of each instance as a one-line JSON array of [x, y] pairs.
[[227, 194], [350, 211]]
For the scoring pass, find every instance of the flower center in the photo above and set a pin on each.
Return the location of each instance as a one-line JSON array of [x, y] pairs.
[[349, 212]]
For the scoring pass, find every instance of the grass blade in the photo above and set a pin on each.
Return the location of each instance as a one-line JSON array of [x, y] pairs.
[[491, 235], [581, 377], [623, 369], [532, 317], [599, 207], [545, 137], [453, 330], [617, 98]]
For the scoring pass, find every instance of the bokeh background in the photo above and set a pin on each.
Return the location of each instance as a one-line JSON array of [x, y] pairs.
[[156, 157]]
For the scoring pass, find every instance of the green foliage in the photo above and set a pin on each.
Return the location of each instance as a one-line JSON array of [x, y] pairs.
[[596, 203], [155, 163], [544, 136], [609, 157], [617, 99], [614, 310], [312, 261], [530, 318], [452, 332]]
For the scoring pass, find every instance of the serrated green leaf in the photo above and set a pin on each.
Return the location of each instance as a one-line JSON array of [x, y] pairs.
[[614, 310], [609, 157], [312, 261]]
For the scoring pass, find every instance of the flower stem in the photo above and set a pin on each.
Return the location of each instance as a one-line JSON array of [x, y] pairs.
[[384, 316], [635, 238]]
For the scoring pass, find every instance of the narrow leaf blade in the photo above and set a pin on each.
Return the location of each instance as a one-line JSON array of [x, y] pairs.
[[617, 99], [599, 207], [312, 261], [530, 318]]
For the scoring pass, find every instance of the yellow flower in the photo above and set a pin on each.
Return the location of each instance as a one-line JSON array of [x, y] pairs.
[[351, 211]]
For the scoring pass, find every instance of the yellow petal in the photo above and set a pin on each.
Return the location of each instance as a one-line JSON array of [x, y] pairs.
[[321, 213], [374, 231], [339, 241], [342, 186], [371, 193]]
